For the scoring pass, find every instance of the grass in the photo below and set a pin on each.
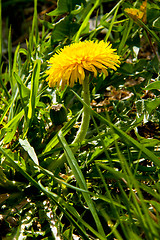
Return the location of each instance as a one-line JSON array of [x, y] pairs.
[[109, 188]]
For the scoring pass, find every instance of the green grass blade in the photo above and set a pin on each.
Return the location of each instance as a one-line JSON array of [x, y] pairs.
[[111, 25], [24, 92], [14, 69], [5, 112], [11, 126], [65, 129], [104, 198], [29, 149], [81, 181], [67, 209], [112, 11], [35, 21], [49, 173], [102, 142], [34, 89], [10, 58], [152, 33], [3, 85], [124, 136], [85, 22], [34, 30], [140, 208], [113, 206], [126, 32], [18, 168], [0, 33]]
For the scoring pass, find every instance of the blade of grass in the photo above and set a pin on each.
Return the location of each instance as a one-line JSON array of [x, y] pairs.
[[102, 141], [24, 93], [146, 218], [39, 186], [141, 208], [29, 149], [5, 112], [131, 183], [113, 207], [14, 69], [11, 111], [152, 33], [85, 22], [152, 156], [112, 11], [51, 195], [34, 30], [81, 181], [129, 206], [124, 136], [151, 191], [126, 32], [8, 96], [0, 34], [33, 100], [34, 88], [104, 198], [68, 210], [111, 24], [10, 58], [109, 141], [12, 124], [113, 228], [65, 129], [35, 20]]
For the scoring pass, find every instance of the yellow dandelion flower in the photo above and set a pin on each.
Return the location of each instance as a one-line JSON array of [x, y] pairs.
[[70, 64], [135, 13], [143, 8]]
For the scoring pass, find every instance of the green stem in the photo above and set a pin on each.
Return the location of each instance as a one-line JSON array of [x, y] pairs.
[[0, 32], [85, 115], [80, 136]]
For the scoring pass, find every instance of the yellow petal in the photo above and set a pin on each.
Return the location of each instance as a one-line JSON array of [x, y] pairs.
[[70, 64]]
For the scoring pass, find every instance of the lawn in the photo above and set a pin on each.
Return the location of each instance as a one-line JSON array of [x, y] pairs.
[[79, 119]]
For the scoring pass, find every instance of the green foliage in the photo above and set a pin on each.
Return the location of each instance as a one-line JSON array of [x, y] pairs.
[[109, 188]]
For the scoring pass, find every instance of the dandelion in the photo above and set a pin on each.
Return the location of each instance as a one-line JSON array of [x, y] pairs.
[[72, 63], [134, 13], [75, 63], [143, 8], [137, 14]]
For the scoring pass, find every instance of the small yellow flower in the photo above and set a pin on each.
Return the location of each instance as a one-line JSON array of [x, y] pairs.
[[70, 64], [135, 13], [143, 8]]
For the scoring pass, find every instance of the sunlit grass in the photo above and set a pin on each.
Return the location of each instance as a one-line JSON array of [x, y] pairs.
[[109, 187]]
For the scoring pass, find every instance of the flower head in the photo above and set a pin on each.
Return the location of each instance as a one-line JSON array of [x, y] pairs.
[[143, 8], [135, 13], [70, 64]]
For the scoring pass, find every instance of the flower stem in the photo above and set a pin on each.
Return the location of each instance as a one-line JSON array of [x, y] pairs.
[[80, 136], [85, 115]]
